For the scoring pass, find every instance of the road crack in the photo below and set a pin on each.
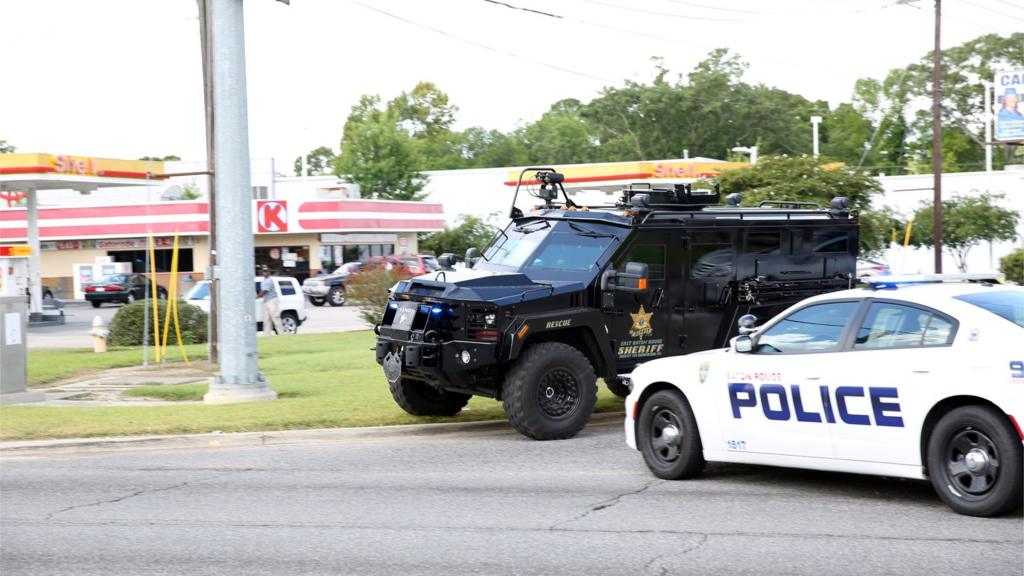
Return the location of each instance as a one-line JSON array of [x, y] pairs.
[[605, 504], [51, 515], [663, 570]]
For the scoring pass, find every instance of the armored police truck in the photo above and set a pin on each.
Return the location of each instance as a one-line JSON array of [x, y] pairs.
[[566, 294]]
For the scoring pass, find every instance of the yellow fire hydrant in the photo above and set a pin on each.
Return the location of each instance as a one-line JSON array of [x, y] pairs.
[[99, 335]]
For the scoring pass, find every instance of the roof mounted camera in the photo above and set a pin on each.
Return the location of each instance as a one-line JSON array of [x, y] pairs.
[[550, 183]]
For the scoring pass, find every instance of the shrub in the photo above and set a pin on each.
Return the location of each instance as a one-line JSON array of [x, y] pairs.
[[1012, 266], [126, 327], [368, 291]]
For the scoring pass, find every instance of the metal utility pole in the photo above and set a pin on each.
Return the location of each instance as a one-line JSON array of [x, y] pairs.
[[239, 379], [211, 156], [937, 139]]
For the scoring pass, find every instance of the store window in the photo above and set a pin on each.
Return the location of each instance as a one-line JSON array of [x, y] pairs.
[[333, 256], [284, 260], [162, 258]]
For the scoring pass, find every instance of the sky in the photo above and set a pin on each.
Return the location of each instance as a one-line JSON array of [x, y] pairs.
[[123, 78]]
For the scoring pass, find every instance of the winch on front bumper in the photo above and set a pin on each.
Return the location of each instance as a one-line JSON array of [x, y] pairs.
[[435, 343]]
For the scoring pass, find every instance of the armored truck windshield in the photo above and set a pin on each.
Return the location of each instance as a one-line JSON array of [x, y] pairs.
[[551, 249]]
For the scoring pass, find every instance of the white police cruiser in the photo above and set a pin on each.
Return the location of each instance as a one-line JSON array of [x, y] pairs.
[[914, 377]]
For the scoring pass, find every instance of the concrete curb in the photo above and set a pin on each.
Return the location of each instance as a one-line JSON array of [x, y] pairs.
[[66, 446]]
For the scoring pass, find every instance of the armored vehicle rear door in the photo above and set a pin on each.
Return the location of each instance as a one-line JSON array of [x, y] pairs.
[[708, 265], [644, 326]]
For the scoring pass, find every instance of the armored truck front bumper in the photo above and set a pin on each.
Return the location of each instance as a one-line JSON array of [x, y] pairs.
[[450, 364]]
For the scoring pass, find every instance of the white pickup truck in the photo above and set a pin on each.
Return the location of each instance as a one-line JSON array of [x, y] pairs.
[[293, 303]]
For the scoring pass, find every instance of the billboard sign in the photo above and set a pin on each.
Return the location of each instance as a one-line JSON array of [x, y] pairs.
[[1009, 87]]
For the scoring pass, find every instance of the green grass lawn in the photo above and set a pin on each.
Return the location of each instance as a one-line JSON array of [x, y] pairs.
[[45, 366], [323, 381]]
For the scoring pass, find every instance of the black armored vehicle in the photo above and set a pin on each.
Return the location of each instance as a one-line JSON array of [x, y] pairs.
[[566, 294]]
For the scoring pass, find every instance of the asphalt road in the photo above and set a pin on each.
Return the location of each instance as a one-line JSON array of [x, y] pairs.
[[473, 503], [78, 317]]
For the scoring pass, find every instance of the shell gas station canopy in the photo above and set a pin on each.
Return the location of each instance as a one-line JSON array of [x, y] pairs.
[[615, 175], [25, 176]]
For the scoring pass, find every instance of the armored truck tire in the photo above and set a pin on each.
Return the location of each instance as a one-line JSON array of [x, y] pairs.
[[550, 392], [617, 387], [422, 399]]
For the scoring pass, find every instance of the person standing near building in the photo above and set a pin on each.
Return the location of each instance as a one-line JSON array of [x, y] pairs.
[[271, 304]]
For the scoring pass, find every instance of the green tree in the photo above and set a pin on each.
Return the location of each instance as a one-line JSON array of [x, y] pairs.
[[1012, 266], [377, 154], [806, 179], [561, 136], [168, 158], [492, 148], [319, 161], [900, 107], [966, 222], [6, 148], [471, 232]]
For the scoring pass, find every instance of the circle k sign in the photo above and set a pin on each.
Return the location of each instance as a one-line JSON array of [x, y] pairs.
[[272, 215]]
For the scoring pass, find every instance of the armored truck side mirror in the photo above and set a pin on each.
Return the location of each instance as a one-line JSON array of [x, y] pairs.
[[742, 344], [446, 261], [747, 324], [633, 279], [472, 255]]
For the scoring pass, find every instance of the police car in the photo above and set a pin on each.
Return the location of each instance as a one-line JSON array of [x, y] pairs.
[[912, 377]]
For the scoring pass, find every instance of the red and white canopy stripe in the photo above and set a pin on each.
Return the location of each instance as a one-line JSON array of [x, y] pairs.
[[192, 218]]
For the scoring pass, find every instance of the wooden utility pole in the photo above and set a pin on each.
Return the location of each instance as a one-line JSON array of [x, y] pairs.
[[937, 139]]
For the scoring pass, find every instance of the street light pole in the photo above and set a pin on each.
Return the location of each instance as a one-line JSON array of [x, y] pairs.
[[239, 379], [815, 120], [937, 139]]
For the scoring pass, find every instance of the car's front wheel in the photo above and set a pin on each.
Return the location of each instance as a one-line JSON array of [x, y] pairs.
[[550, 392], [289, 323], [975, 461], [668, 437], [95, 303], [422, 399], [336, 297], [317, 301]]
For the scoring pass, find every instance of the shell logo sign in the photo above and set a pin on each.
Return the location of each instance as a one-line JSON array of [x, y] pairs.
[[272, 215]]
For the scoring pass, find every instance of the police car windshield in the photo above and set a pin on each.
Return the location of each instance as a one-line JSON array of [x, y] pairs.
[[533, 248], [1008, 304]]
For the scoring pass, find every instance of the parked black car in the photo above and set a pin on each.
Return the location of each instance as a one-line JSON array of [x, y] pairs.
[[329, 288], [126, 288]]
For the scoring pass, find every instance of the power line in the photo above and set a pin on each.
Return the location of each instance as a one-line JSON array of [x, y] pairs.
[[993, 10], [483, 46], [506, 5], [1010, 4]]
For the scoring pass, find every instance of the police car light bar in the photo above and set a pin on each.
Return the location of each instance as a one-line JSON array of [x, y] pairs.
[[894, 282]]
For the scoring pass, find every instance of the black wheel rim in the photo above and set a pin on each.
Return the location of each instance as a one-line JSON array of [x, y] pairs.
[[972, 462], [558, 393], [666, 435]]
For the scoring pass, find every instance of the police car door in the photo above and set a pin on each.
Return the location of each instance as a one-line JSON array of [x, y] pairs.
[[776, 399], [640, 323], [898, 351]]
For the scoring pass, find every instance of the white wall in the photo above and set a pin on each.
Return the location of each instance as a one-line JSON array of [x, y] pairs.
[[906, 193]]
